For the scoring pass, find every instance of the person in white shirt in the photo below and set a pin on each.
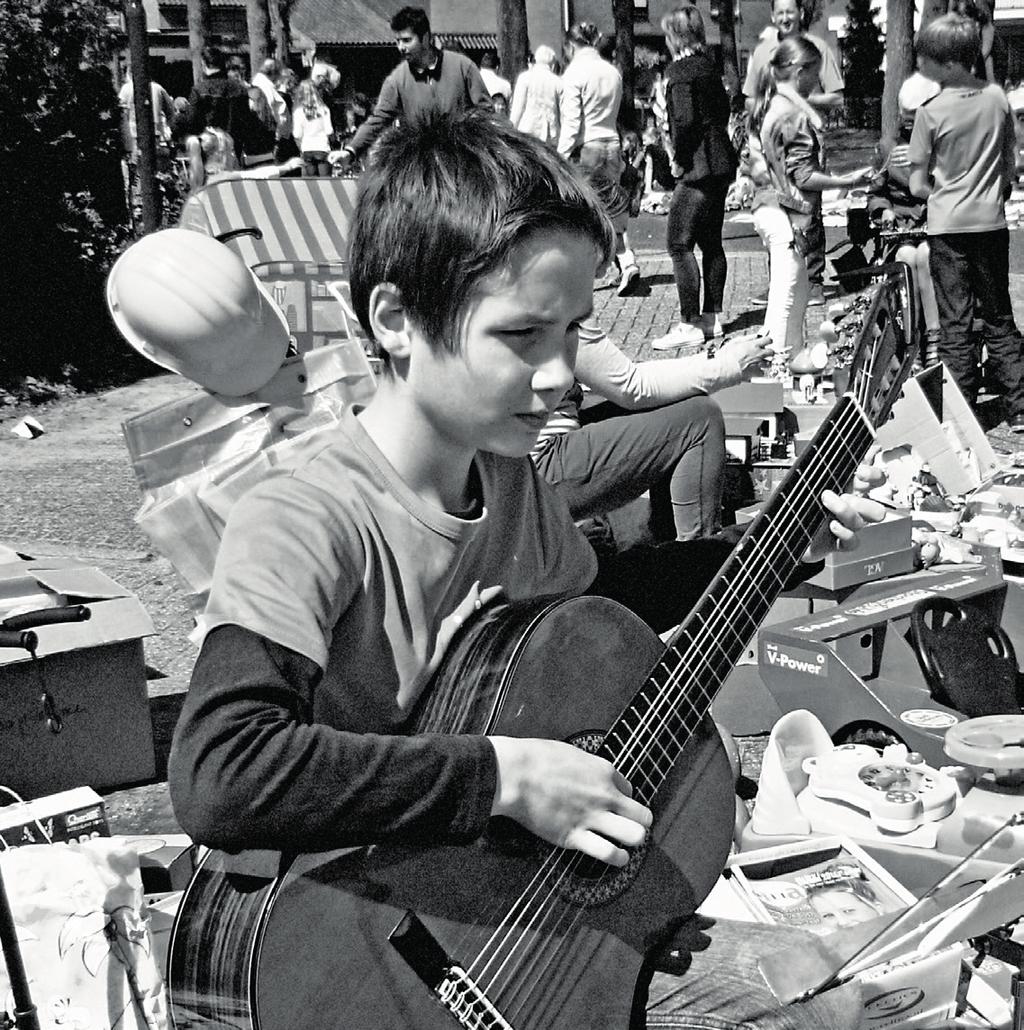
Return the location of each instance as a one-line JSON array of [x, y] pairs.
[[589, 133], [163, 113], [496, 85], [536, 98], [312, 129], [657, 431], [265, 80]]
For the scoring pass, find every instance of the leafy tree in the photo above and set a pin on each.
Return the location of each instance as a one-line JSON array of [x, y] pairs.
[[863, 50], [62, 204]]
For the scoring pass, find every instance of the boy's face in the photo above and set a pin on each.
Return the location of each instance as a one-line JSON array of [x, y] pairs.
[[517, 350]]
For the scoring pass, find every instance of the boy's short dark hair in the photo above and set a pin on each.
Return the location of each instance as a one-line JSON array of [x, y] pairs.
[[444, 203], [951, 37], [413, 19]]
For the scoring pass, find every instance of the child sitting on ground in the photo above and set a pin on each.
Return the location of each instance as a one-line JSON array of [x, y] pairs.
[[963, 161], [892, 206]]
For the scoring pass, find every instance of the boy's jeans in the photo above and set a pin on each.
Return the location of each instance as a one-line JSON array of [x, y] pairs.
[[971, 275]]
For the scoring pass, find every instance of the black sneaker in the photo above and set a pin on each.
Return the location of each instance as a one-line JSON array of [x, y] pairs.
[[1016, 423], [817, 295]]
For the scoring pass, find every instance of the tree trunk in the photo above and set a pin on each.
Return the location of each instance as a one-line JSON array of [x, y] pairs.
[[198, 33], [278, 40], [258, 24], [899, 60], [513, 38], [730, 60], [622, 12]]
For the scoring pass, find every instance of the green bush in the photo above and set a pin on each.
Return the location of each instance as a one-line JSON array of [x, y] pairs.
[[62, 208]]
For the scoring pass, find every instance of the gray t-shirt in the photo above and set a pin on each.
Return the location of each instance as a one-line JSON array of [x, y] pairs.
[[337, 559], [963, 138]]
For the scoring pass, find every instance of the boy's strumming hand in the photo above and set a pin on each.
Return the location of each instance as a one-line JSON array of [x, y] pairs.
[[569, 798]]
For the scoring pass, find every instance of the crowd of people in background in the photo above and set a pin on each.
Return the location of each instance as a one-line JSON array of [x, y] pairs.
[[697, 149]]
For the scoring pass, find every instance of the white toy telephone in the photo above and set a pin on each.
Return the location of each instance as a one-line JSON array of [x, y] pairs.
[[809, 785], [896, 789]]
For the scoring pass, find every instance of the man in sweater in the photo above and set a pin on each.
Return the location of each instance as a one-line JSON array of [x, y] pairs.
[[429, 81]]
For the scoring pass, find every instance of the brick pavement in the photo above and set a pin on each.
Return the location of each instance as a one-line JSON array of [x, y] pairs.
[[634, 321], [654, 309]]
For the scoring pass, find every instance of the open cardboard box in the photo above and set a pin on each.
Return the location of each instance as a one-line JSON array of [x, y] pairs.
[[933, 417], [93, 673]]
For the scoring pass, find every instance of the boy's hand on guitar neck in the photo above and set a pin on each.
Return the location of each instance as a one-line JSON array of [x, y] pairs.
[[569, 798], [852, 511]]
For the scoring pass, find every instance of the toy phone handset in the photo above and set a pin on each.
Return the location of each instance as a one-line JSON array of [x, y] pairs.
[[896, 789]]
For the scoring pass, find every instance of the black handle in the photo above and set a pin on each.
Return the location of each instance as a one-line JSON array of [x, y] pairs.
[[24, 638], [48, 617]]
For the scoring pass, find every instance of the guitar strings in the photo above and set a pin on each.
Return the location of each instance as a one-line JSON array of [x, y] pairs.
[[814, 491], [739, 635], [545, 873], [802, 484], [541, 880]]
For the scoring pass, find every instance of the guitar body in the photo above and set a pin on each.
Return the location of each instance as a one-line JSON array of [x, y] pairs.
[[558, 942]]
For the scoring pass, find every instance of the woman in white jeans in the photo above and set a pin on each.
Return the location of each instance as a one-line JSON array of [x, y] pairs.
[[787, 165]]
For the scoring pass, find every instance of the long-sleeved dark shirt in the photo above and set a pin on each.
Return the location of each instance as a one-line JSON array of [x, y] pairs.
[[413, 95]]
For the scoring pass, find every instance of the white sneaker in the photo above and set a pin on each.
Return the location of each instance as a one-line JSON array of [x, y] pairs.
[[629, 281], [711, 326], [683, 335]]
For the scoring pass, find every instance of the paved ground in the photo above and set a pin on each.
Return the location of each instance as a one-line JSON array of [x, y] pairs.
[[72, 491]]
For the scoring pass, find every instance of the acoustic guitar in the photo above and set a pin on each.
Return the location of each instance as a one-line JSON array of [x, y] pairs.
[[510, 932]]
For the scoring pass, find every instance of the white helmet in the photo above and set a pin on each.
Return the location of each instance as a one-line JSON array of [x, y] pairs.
[[189, 303]]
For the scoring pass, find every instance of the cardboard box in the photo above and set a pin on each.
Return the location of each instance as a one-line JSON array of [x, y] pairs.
[[756, 397], [932, 416], [71, 816], [838, 575], [92, 674], [166, 860], [883, 549]]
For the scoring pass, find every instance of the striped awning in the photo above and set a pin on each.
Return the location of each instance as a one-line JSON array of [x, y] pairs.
[[304, 220], [469, 40]]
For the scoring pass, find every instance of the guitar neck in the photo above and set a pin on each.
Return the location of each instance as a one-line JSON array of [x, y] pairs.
[[646, 739]]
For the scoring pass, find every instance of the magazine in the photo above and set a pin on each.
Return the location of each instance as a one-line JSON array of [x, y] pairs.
[[822, 890]]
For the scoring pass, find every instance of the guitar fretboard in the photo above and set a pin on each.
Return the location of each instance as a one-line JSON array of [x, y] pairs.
[[645, 741]]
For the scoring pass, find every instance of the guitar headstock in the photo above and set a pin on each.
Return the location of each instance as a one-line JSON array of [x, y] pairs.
[[886, 345]]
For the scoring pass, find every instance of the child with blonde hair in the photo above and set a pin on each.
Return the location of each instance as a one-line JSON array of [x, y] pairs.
[[312, 129]]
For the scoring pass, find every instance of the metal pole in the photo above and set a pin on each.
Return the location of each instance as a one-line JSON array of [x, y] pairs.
[[25, 1017], [145, 133]]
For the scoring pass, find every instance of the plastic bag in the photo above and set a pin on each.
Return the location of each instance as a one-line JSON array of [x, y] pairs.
[[84, 936]]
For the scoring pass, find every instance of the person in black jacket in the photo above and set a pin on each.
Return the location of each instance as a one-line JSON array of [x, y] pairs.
[[703, 163], [220, 102]]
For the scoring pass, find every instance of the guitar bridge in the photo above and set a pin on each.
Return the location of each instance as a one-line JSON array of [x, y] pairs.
[[448, 982]]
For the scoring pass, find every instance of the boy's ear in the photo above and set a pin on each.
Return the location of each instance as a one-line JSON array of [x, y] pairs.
[[388, 320]]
